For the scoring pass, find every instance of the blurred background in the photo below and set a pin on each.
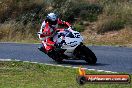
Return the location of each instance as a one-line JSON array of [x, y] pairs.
[[101, 22]]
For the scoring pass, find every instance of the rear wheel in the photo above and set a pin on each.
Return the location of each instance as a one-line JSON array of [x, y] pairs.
[[88, 55]]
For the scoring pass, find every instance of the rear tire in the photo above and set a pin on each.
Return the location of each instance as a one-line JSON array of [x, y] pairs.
[[89, 56]]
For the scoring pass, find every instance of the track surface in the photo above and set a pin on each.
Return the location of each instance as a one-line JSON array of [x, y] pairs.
[[117, 59]]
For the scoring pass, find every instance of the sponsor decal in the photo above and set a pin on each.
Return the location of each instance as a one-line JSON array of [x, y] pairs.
[[102, 78]]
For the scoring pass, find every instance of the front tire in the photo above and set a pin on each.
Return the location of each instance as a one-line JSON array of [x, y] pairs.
[[88, 55]]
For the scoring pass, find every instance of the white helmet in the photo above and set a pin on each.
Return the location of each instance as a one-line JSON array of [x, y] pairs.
[[52, 18]]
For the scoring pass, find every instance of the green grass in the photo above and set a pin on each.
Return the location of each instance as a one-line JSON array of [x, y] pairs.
[[28, 75]]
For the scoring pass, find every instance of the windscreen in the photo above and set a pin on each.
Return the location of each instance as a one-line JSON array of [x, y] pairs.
[[69, 34]]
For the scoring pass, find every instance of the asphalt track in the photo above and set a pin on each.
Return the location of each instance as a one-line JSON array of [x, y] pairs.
[[116, 59]]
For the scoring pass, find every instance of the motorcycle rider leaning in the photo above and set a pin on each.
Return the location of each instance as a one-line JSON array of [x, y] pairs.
[[47, 30]]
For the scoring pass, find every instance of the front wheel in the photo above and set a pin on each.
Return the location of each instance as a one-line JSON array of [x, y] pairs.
[[88, 55]]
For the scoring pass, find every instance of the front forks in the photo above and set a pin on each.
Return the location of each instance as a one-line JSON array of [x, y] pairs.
[[77, 52]]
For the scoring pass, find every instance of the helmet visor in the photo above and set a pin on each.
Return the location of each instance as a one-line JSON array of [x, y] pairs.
[[52, 22]]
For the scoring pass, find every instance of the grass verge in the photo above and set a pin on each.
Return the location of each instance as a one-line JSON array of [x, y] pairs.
[[28, 75], [114, 38]]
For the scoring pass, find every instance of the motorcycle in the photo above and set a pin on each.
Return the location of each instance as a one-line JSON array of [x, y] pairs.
[[71, 47]]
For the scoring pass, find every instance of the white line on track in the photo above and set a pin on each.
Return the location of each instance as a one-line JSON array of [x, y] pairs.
[[59, 65], [5, 60]]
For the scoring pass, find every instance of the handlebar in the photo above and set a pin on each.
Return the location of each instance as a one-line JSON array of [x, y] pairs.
[[70, 28]]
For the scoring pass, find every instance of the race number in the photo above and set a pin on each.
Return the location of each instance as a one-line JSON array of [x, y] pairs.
[[77, 35]]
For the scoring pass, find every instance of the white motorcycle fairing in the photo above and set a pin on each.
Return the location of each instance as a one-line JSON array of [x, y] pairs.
[[71, 40], [71, 47]]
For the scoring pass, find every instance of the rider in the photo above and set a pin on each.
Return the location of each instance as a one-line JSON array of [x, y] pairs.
[[47, 30]]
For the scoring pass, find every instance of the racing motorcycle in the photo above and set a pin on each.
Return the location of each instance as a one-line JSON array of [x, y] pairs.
[[71, 47]]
